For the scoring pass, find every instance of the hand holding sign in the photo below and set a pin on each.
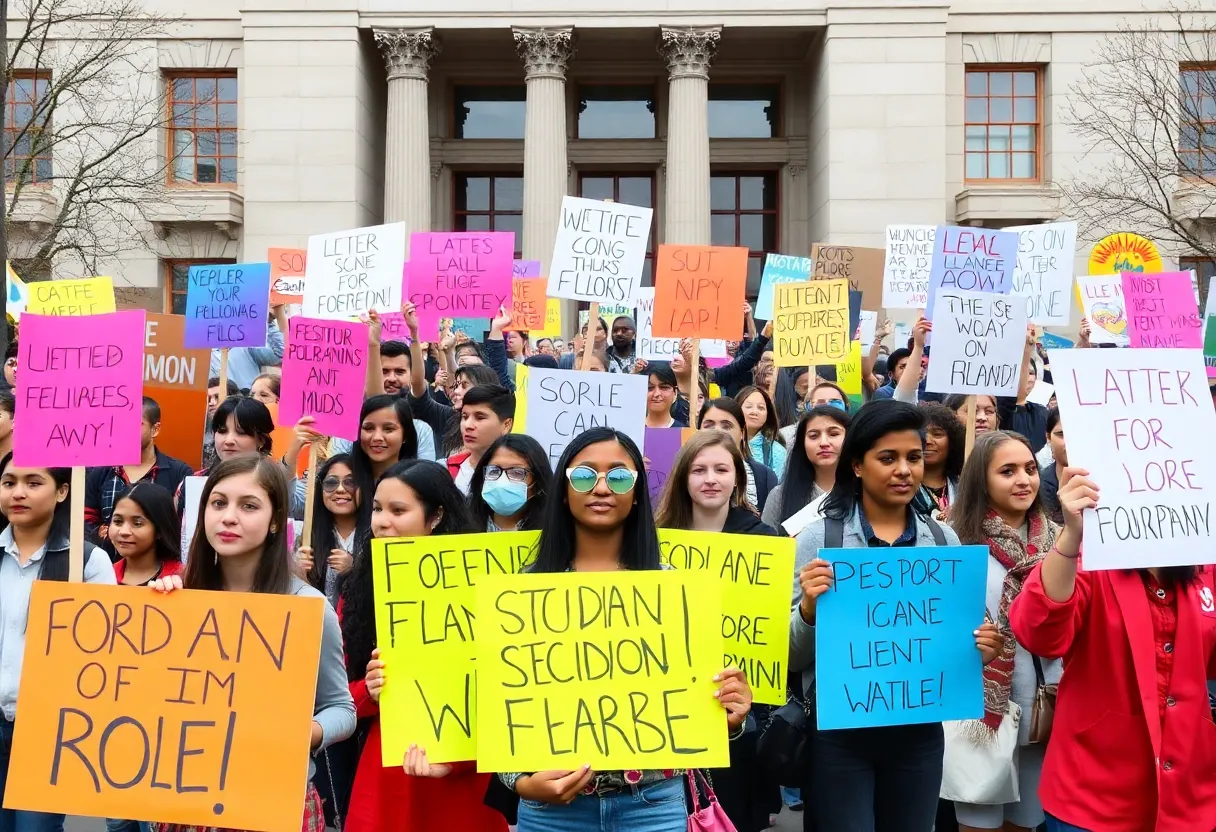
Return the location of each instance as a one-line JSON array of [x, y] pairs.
[[417, 765], [815, 579]]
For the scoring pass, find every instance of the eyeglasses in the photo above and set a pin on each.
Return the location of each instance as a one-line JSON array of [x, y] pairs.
[[515, 474], [330, 484], [584, 479]]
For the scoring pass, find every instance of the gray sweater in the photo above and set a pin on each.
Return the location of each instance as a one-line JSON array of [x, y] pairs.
[[333, 708]]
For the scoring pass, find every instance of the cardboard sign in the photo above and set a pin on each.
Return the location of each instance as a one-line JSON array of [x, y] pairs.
[[1162, 310], [1143, 416], [862, 267], [425, 604], [85, 296], [227, 305], [287, 269], [611, 669], [699, 292], [779, 268], [971, 260], [755, 575], [176, 378], [979, 344], [867, 327], [194, 708], [460, 274], [349, 273], [662, 446], [906, 264], [812, 323], [652, 348], [324, 375], [1044, 270], [1102, 303], [528, 308], [1123, 252], [895, 636], [81, 391], [564, 403], [600, 251], [1209, 332]]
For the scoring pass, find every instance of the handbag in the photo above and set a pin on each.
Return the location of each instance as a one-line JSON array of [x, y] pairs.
[[1043, 710], [987, 773], [710, 817], [784, 744]]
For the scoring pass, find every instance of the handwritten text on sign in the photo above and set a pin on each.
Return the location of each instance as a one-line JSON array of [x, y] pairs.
[[349, 273], [909, 256], [1141, 414], [528, 304], [193, 708], [862, 267], [1162, 310], [1044, 270], [979, 343], [324, 373], [812, 323], [755, 575], [177, 378], [1209, 331], [564, 403], [425, 604], [85, 296], [287, 268], [460, 274], [226, 305], [973, 260], [81, 390], [894, 641], [779, 268], [1103, 304], [699, 292], [599, 251], [612, 669], [653, 348]]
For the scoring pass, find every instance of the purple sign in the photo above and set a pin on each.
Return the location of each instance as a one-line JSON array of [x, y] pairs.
[[662, 445], [526, 268], [227, 305]]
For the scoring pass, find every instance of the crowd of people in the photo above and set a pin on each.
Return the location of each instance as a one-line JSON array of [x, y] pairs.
[[1133, 747]]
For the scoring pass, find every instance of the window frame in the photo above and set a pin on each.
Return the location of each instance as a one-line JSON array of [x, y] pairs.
[[737, 212], [650, 83], [167, 265], [453, 103], [171, 178], [496, 173], [616, 175], [11, 128], [1195, 263], [777, 82], [1039, 73], [1185, 173]]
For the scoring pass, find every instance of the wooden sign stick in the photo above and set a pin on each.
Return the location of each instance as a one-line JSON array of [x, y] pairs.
[[695, 361], [970, 427], [223, 374], [76, 533], [310, 491], [593, 324]]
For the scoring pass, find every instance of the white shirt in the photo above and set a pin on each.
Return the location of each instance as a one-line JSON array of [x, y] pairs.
[[464, 477]]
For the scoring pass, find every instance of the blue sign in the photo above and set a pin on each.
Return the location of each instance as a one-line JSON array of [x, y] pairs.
[[779, 268], [1055, 342], [895, 636], [227, 305], [475, 328]]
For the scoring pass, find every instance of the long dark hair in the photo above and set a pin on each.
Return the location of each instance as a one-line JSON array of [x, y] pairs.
[[799, 482], [542, 478], [323, 536], [871, 423], [433, 486], [251, 416], [938, 415], [640, 545], [54, 564], [158, 506], [771, 429], [728, 405], [274, 572], [477, 374], [972, 502], [361, 464]]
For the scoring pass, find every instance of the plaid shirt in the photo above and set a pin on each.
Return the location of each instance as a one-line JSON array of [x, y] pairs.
[[104, 484]]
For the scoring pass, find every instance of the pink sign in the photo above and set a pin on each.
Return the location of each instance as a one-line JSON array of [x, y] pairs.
[[1162, 311], [80, 393], [324, 375], [459, 274], [392, 322]]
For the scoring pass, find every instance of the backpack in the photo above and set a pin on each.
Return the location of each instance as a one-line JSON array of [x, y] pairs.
[[833, 533]]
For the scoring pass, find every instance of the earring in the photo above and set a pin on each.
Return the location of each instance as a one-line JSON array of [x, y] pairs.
[[217, 559]]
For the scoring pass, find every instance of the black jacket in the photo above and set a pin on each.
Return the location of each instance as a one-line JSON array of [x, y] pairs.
[[744, 521]]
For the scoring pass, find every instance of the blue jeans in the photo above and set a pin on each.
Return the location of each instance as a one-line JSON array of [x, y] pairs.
[[12, 820], [1054, 825], [655, 807], [116, 825]]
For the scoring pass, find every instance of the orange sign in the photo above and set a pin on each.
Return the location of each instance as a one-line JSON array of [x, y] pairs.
[[191, 708], [1123, 252], [287, 274], [699, 292], [528, 304], [177, 379]]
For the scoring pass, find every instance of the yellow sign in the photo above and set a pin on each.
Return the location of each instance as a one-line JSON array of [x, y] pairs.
[[611, 669], [811, 323], [755, 574], [848, 374], [86, 296], [521, 398], [553, 321], [1125, 252], [424, 628]]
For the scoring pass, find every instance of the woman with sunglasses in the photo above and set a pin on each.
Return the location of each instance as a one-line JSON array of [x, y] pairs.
[[600, 520], [335, 527], [509, 485]]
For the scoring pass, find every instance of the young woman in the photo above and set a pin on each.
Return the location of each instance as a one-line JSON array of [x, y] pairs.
[[412, 499], [1133, 745], [882, 779], [34, 541], [763, 430], [241, 546], [823, 394], [509, 485], [335, 527], [811, 470], [265, 388], [242, 427], [1051, 470], [725, 415], [945, 444], [661, 389], [986, 415], [146, 533], [600, 520], [998, 506]]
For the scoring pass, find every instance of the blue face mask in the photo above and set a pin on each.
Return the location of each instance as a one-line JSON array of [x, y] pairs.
[[504, 497]]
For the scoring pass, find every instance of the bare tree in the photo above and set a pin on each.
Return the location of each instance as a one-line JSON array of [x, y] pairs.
[[1139, 108]]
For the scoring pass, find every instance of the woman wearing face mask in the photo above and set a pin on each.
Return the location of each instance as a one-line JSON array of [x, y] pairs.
[[763, 432], [265, 388], [987, 416], [661, 388], [412, 499], [335, 527], [823, 394], [242, 427], [146, 534], [945, 443], [508, 489], [725, 415], [811, 470]]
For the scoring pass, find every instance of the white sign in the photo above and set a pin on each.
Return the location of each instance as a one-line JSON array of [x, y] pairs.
[[192, 488], [869, 325], [978, 343], [1136, 421], [600, 251], [905, 277], [564, 403], [1041, 393], [651, 348], [811, 512], [352, 272], [1102, 303], [1044, 271]]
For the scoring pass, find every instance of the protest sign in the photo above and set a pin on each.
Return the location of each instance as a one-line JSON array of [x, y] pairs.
[[1123, 252], [564, 403], [862, 267], [972, 260], [81, 390], [473, 328], [699, 292], [1051, 341], [425, 603], [18, 294], [1043, 271], [527, 304], [611, 669], [460, 273], [895, 636], [520, 423], [906, 263], [811, 323], [177, 379], [652, 348], [599, 251], [980, 339], [192, 490], [84, 296], [662, 445], [779, 268], [1161, 310], [287, 269], [553, 321], [867, 327], [324, 375], [804, 517], [755, 575], [525, 268], [227, 305], [193, 708], [349, 273], [1102, 303], [1139, 414], [1209, 332], [1041, 393], [848, 375], [609, 312]]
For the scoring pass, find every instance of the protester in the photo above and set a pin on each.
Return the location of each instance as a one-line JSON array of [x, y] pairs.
[[1022, 416], [146, 533], [241, 427], [265, 388], [811, 469], [510, 484], [597, 362], [987, 415], [546, 346], [945, 447], [661, 390], [572, 359], [821, 394], [724, 414], [386, 437], [214, 397], [763, 431], [730, 378], [487, 413], [335, 528], [622, 352], [1049, 475], [897, 362], [10, 365]]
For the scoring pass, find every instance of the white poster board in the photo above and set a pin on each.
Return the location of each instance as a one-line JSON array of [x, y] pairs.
[[979, 339], [905, 276], [192, 488], [1102, 303], [1044, 271], [600, 251], [352, 272], [869, 325], [564, 403], [652, 348]]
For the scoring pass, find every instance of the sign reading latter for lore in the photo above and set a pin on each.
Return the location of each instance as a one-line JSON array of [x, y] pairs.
[[324, 375], [599, 251], [425, 604], [978, 344], [83, 296], [193, 708], [1143, 416], [1162, 310], [909, 256], [611, 669], [226, 305], [460, 274], [812, 323], [564, 403], [699, 292], [895, 636], [349, 273]]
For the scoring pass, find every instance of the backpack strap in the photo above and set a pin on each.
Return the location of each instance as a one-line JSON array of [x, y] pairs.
[[939, 536], [833, 533]]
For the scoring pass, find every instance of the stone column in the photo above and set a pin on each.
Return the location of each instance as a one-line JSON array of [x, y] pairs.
[[545, 54], [407, 148], [688, 52]]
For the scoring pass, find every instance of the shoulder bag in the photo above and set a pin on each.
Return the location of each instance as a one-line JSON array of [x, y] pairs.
[[710, 817], [1043, 710]]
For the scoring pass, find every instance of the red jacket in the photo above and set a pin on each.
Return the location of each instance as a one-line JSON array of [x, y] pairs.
[[1112, 763]]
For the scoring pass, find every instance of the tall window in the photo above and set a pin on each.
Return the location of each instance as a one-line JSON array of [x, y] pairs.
[[1198, 144], [202, 135], [27, 142], [490, 202], [616, 111], [1003, 125], [632, 189], [489, 111], [1204, 270], [743, 212], [744, 111], [177, 279]]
